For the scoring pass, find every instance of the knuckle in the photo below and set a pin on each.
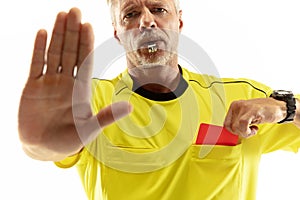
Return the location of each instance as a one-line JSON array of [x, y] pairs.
[[240, 127], [235, 105], [243, 122]]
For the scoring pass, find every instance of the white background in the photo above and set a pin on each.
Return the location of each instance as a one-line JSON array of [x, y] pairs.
[[258, 39]]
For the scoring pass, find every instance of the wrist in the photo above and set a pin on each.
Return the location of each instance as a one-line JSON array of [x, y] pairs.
[[289, 110], [297, 115]]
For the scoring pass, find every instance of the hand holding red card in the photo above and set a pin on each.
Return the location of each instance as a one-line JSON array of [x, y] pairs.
[[215, 135]]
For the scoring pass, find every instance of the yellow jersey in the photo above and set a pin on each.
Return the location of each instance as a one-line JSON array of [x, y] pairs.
[[151, 154]]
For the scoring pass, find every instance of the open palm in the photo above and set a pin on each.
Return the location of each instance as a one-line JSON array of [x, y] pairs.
[[55, 103]]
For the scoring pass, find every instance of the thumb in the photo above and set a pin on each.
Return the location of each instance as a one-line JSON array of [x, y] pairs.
[[90, 129], [113, 113]]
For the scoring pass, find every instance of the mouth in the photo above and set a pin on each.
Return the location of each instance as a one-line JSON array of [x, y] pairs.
[[151, 47]]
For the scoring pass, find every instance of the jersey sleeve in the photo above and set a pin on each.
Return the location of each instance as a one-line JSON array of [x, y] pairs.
[[272, 136], [69, 161], [280, 137]]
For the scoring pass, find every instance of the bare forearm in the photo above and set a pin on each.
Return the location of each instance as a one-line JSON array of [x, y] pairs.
[[297, 116]]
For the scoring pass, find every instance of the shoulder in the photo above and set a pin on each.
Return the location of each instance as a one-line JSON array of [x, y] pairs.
[[106, 85], [250, 87]]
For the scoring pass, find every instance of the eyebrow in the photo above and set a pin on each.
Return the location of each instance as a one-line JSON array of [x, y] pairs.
[[128, 6], [154, 3], [158, 3]]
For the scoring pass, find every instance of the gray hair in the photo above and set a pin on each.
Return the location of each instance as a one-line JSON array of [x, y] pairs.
[[110, 2], [176, 2]]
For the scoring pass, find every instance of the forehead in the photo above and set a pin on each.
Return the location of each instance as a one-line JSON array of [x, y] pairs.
[[123, 4]]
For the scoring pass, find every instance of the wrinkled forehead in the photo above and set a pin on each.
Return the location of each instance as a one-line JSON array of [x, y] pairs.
[[114, 3]]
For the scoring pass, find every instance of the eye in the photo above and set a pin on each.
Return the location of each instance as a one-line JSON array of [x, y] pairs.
[[158, 10], [130, 15]]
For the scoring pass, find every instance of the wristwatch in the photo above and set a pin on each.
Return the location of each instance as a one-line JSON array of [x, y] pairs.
[[288, 97]]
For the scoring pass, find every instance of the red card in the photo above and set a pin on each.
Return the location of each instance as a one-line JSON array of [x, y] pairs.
[[215, 135]]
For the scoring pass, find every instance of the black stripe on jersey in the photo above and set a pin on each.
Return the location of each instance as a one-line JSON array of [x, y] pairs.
[[229, 82]]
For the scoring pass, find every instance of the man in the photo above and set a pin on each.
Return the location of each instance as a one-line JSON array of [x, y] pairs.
[[137, 136]]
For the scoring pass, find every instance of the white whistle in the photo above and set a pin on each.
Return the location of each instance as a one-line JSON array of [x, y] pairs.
[[152, 48]]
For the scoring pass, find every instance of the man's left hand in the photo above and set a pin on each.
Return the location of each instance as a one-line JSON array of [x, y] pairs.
[[244, 115]]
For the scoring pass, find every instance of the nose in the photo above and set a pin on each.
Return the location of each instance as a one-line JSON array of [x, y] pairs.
[[147, 21]]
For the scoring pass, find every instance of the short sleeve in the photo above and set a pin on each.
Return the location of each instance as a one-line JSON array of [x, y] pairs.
[[280, 137], [69, 161]]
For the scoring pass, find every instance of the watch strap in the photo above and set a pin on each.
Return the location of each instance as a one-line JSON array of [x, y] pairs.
[[289, 99], [290, 110]]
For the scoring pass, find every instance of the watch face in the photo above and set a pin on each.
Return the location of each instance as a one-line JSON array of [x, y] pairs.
[[282, 92], [282, 95]]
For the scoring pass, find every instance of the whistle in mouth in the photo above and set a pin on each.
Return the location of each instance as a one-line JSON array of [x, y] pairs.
[[152, 48]]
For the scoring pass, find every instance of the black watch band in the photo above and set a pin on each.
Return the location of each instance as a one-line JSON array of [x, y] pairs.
[[289, 99]]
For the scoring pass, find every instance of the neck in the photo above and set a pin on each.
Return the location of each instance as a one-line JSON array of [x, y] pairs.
[[156, 78]]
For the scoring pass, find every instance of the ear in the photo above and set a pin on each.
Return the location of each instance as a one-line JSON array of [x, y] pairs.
[[180, 20], [116, 34]]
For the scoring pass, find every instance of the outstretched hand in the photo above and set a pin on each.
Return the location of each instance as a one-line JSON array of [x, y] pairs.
[[50, 115]]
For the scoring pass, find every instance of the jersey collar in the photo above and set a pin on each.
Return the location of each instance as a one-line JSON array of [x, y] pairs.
[[181, 88]]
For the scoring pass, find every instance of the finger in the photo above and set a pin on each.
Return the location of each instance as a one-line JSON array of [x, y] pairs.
[[56, 43], [241, 126], [71, 40], [38, 57], [90, 129], [235, 123], [113, 113], [253, 130], [85, 57], [228, 120]]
